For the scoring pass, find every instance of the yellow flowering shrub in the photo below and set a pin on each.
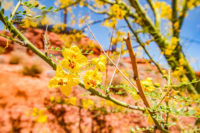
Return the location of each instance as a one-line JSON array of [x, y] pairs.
[[117, 12]]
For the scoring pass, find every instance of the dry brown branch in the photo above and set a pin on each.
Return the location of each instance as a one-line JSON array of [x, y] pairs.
[[135, 70], [139, 86]]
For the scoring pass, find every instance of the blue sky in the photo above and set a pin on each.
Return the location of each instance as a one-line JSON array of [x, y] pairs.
[[190, 34]]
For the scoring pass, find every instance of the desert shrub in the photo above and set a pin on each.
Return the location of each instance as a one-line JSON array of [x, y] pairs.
[[14, 59], [33, 70]]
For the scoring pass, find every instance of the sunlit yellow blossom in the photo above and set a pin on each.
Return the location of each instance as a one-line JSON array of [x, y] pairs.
[[27, 22], [71, 100], [191, 4], [118, 37], [110, 23], [92, 78], [73, 59], [39, 115], [63, 80], [99, 63], [59, 27], [180, 71], [45, 21], [170, 48], [174, 40], [65, 3], [148, 84], [87, 103], [117, 12], [164, 8]]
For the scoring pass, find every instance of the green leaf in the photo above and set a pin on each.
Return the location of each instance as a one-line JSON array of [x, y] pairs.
[[57, 48], [52, 48], [28, 15], [37, 16], [43, 7], [56, 10], [26, 3], [50, 8]]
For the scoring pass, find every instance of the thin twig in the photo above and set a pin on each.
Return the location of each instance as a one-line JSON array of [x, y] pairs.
[[14, 40], [107, 90], [107, 63], [167, 102]]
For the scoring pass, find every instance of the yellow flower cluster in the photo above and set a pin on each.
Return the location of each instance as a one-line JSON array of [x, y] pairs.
[[148, 84], [67, 73], [39, 115], [164, 8], [193, 3], [63, 3], [27, 22], [92, 78], [64, 80], [172, 46], [110, 23], [117, 12], [119, 37], [59, 27], [99, 63]]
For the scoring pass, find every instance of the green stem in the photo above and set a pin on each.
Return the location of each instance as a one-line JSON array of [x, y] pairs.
[[108, 97], [15, 10], [27, 43]]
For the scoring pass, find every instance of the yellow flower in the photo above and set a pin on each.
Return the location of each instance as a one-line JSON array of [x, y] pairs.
[[73, 59], [148, 84], [118, 37], [71, 101], [39, 115], [87, 103], [63, 80], [117, 12], [92, 78], [110, 23], [174, 40], [100, 63], [65, 3], [164, 8]]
